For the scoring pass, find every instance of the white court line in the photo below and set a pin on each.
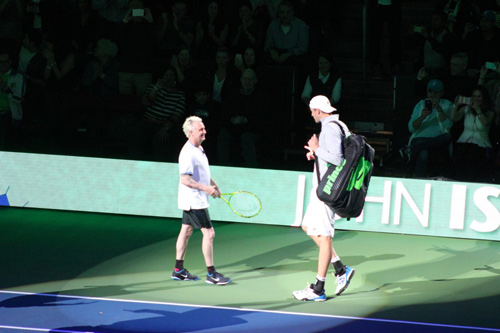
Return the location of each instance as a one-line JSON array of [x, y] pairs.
[[247, 310], [42, 329], [25, 328]]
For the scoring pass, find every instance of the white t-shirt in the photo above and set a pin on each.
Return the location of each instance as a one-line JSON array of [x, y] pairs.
[[194, 162], [24, 58], [474, 131]]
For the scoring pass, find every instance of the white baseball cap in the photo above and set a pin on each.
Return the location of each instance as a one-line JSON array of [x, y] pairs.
[[322, 103]]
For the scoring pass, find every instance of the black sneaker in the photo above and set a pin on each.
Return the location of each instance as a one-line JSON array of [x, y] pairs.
[[184, 275], [217, 278]]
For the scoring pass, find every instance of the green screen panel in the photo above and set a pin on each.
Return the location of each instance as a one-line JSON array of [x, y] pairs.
[[411, 206]]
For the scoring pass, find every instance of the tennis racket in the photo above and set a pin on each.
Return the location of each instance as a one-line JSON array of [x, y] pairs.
[[243, 203]]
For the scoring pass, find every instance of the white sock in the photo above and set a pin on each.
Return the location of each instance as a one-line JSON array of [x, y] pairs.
[[337, 258], [319, 278]]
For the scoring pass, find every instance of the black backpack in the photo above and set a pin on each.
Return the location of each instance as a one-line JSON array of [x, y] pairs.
[[343, 187]]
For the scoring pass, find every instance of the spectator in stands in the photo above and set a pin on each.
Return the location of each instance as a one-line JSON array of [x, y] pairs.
[[220, 78], [379, 12], [211, 32], [242, 124], [36, 109], [60, 71], [492, 84], [429, 126], [471, 150], [136, 50], [188, 74], [176, 30], [32, 17], [325, 19], [435, 45], [458, 12], [12, 88], [325, 80], [160, 129], [101, 72], [30, 48], [483, 44], [210, 112], [249, 60], [88, 27], [249, 32], [456, 80], [265, 11], [287, 37], [111, 10]]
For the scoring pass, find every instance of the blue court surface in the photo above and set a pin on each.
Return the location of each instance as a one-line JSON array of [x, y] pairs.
[[26, 312]]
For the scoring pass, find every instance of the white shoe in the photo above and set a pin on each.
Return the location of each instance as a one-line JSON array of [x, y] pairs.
[[308, 294], [344, 280]]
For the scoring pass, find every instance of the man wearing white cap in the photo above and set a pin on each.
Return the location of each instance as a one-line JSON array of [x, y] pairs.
[[318, 222]]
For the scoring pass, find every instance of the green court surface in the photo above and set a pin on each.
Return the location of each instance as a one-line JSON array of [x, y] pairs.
[[398, 277]]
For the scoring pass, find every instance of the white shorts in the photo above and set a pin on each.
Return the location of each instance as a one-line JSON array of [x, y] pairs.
[[319, 218]]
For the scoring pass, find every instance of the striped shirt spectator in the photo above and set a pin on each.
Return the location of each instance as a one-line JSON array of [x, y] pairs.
[[167, 104]]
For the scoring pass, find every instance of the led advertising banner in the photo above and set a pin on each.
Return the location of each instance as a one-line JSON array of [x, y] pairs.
[[394, 205]]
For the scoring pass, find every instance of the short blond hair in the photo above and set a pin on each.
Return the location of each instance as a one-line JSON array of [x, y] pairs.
[[188, 124]]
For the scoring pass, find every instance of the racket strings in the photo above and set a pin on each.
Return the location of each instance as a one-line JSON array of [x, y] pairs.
[[245, 204]]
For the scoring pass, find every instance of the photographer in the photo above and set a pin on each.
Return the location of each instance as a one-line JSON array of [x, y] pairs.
[[434, 44], [136, 44], [429, 126], [471, 150]]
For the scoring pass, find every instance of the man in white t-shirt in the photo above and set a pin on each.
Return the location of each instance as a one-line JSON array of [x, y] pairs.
[[318, 222], [195, 186]]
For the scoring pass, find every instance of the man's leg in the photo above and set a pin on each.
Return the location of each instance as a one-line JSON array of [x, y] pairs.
[[316, 292], [182, 241], [180, 273], [213, 277], [343, 273], [325, 255], [207, 245]]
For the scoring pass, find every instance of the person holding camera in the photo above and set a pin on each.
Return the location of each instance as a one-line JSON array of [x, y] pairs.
[[136, 42], [472, 146], [434, 44], [429, 126]]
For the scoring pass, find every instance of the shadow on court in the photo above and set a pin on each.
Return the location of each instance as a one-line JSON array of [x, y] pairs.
[[116, 273]]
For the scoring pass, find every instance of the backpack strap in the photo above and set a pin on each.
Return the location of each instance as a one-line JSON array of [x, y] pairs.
[[315, 157]]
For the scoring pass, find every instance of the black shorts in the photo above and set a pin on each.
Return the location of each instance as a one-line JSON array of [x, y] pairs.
[[197, 218]]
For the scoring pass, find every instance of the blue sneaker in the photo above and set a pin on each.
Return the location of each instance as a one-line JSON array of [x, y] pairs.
[[344, 280], [308, 294], [217, 278], [184, 275]]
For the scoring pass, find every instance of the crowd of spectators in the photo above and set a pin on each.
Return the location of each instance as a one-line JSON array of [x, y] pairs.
[[456, 134], [123, 74]]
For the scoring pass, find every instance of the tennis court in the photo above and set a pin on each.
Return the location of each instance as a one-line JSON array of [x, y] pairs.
[[68, 271]]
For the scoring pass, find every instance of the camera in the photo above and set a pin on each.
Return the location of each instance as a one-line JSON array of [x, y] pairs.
[[137, 12], [490, 65], [418, 28], [428, 104], [463, 100]]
